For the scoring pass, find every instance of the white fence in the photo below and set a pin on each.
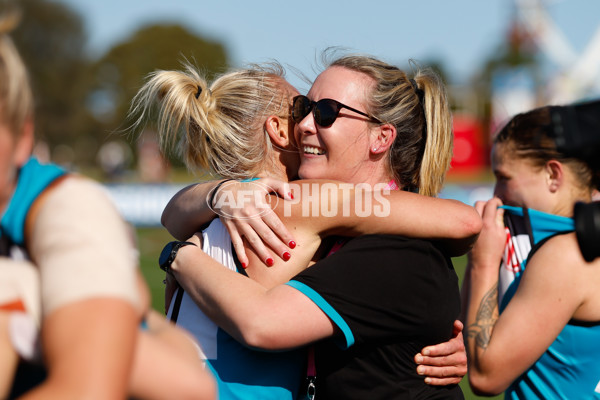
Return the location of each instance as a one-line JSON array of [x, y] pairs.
[[142, 204]]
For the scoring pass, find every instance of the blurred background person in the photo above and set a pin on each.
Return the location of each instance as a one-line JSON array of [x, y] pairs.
[[91, 294]]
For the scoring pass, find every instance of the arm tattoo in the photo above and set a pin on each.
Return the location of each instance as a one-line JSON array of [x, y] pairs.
[[487, 315]]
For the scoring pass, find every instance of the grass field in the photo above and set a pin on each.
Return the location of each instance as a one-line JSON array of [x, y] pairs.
[[151, 242]]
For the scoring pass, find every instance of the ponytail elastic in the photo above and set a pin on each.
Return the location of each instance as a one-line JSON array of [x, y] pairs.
[[421, 95]]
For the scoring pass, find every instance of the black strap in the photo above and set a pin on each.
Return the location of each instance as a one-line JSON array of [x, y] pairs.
[[528, 226], [180, 291], [177, 305], [539, 244]]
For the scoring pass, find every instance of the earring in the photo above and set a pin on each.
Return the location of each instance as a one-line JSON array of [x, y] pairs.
[[375, 149]]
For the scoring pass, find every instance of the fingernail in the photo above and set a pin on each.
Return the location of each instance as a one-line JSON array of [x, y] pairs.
[[420, 370], [270, 262], [291, 244], [244, 265], [286, 256], [291, 195], [428, 380], [419, 359], [425, 352]]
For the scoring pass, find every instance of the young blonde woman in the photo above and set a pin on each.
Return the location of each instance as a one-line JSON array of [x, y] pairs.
[[541, 342], [200, 115], [69, 278]]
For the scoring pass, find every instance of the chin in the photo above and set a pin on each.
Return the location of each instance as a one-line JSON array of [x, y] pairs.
[[310, 173]]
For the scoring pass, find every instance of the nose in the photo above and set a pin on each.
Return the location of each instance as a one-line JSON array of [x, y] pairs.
[[499, 192], [307, 126]]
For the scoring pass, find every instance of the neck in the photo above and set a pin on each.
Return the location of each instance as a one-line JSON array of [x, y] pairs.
[[275, 170], [374, 174]]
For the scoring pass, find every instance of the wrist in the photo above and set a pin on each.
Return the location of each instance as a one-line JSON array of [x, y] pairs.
[[169, 254], [213, 193]]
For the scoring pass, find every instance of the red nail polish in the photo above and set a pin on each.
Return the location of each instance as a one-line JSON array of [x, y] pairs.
[[292, 244], [291, 195], [270, 262], [286, 256], [244, 265]]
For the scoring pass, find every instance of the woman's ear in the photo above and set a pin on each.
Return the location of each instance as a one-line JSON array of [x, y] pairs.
[[24, 145], [278, 131], [384, 136], [555, 175]]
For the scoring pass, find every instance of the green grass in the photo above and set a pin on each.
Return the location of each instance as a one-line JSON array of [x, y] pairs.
[[151, 242]]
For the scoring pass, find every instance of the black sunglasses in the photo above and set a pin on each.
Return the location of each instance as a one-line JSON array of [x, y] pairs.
[[325, 111]]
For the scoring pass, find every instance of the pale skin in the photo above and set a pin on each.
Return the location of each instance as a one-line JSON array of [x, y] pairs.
[[557, 285], [85, 356], [308, 233], [8, 356], [12, 152]]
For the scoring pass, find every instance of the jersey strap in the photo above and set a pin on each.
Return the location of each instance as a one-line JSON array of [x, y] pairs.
[[33, 179], [526, 229]]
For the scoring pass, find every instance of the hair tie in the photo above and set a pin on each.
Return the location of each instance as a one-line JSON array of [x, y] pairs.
[[419, 92], [198, 92], [414, 84], [421, 95]]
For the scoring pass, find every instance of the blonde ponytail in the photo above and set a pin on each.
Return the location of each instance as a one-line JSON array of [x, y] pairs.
[[217, 128], [437, 153]]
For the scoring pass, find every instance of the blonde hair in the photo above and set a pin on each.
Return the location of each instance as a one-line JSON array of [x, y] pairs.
[[420, 156], [217, 128], [16, 99]]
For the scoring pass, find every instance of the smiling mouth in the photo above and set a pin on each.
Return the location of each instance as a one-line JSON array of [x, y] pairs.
[[313, 150]]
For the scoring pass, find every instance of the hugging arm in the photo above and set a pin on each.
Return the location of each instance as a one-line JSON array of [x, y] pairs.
[[358, 211], [444, 363], [454, 224], [273, 319], [188, 210]]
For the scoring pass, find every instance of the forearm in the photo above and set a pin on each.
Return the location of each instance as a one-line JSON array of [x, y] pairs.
[[188, 210], [275, 319], [88, 348], [8, 356], [454, 224], [436, 219], [219, 292], [481, 315]]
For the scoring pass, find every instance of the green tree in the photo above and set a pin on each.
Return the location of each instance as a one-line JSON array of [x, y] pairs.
[[120, 73], [51, 40]]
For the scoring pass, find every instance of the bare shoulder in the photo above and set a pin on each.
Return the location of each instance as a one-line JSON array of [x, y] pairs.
[[560, 251], [554, 266], [559, 263]]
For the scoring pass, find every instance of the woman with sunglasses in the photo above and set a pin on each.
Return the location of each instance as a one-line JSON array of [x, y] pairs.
[[332, 113]]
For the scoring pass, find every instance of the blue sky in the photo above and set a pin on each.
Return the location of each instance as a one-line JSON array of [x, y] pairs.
[[461, 33]]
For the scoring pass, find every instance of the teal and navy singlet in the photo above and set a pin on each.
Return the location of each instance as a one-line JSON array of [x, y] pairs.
[[241, 373], [34, 178], [570, 368]]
